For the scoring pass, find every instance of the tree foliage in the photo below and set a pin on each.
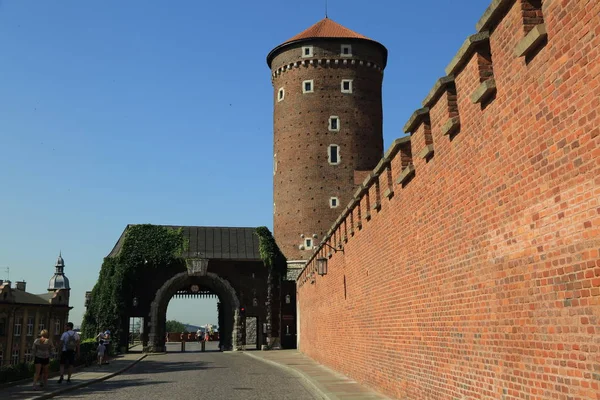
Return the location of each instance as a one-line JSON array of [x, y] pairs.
[[175, 326], [145, 247]]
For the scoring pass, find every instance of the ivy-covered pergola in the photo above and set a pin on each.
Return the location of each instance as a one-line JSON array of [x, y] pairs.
[[150, 263]]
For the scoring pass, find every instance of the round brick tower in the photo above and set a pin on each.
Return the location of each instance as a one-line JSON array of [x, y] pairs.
[[327, 129]]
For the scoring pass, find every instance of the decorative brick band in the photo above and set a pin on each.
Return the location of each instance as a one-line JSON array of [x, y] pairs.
[[327, 63]]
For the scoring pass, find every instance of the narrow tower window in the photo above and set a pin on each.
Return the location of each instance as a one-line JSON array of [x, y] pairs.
[[274, 163], [307, 51], [280, 94], [333, 153], [346, 50], [334, 123], [308, 244], [346, 85], [334, 202], [308, 86]]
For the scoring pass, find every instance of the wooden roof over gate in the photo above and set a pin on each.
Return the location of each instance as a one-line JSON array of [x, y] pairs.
[[213, 243]]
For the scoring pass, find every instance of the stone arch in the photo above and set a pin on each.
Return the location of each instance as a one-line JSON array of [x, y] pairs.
[[230, 307]]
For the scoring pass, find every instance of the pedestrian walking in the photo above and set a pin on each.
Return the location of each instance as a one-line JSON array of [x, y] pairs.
[[101, 351], [107, 343], [104, 337], [69, 344], [42, 347], [199, 335]]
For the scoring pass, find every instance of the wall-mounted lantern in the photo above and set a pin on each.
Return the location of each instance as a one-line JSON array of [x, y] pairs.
[[322, 266], [135, 302]]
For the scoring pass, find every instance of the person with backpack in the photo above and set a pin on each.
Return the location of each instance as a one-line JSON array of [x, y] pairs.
[[69, 342]]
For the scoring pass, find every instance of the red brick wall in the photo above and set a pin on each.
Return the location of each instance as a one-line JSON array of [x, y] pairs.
[[480, 277]]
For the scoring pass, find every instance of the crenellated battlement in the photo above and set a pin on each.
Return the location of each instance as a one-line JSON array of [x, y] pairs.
[[470, 254]]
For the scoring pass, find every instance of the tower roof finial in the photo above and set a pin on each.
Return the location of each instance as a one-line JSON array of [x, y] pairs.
[[326, 9]]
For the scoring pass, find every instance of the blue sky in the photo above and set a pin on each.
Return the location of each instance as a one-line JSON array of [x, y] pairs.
[[151, 111]]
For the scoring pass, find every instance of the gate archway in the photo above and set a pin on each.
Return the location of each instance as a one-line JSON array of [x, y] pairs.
[[223, 261], [230, 332]]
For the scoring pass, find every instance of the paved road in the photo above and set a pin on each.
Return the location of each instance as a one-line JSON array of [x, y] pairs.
[[196, 375]]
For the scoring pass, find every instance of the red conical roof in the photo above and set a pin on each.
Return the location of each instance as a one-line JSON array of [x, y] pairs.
[[326, 28]]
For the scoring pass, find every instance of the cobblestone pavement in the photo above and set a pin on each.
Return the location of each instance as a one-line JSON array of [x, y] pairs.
[[193, 375]]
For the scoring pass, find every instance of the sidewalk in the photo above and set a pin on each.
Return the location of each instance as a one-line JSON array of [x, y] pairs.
[[83, 377], [331, 385]]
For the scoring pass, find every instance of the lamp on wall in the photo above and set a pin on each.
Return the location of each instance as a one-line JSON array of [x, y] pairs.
[[340, 248], [135, 301], [322, 266]]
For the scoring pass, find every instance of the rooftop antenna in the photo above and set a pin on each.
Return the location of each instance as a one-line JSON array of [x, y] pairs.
[[7, 270]]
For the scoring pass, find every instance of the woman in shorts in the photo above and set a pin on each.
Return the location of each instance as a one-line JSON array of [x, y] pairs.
[[42, 347]]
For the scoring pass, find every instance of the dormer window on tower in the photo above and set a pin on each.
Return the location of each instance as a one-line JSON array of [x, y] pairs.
[[334, 123], [307, 51], [280, 94], [308, 86], [346, 50]]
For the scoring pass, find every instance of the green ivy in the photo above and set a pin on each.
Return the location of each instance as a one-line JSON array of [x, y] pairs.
[[144, 247], [276, 264], [270, 253]]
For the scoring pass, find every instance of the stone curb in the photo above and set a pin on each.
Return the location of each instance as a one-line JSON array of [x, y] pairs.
[[51, 375], [87, 383], [320, 393]]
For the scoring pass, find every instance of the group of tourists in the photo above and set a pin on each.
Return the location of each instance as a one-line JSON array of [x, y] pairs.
[[69, 344], [43, 348]]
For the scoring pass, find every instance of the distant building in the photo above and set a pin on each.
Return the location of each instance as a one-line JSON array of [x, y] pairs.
[[23, 315]]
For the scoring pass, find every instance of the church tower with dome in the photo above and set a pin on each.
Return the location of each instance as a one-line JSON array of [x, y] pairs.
[[59, 280], [327, 128]]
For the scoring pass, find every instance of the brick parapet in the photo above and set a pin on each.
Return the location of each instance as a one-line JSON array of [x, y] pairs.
[[492, 251]]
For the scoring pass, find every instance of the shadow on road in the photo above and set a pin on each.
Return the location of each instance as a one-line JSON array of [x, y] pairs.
[[108, 386], [157, 367]]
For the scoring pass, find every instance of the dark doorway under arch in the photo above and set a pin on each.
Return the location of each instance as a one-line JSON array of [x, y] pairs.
[[230, 333]]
